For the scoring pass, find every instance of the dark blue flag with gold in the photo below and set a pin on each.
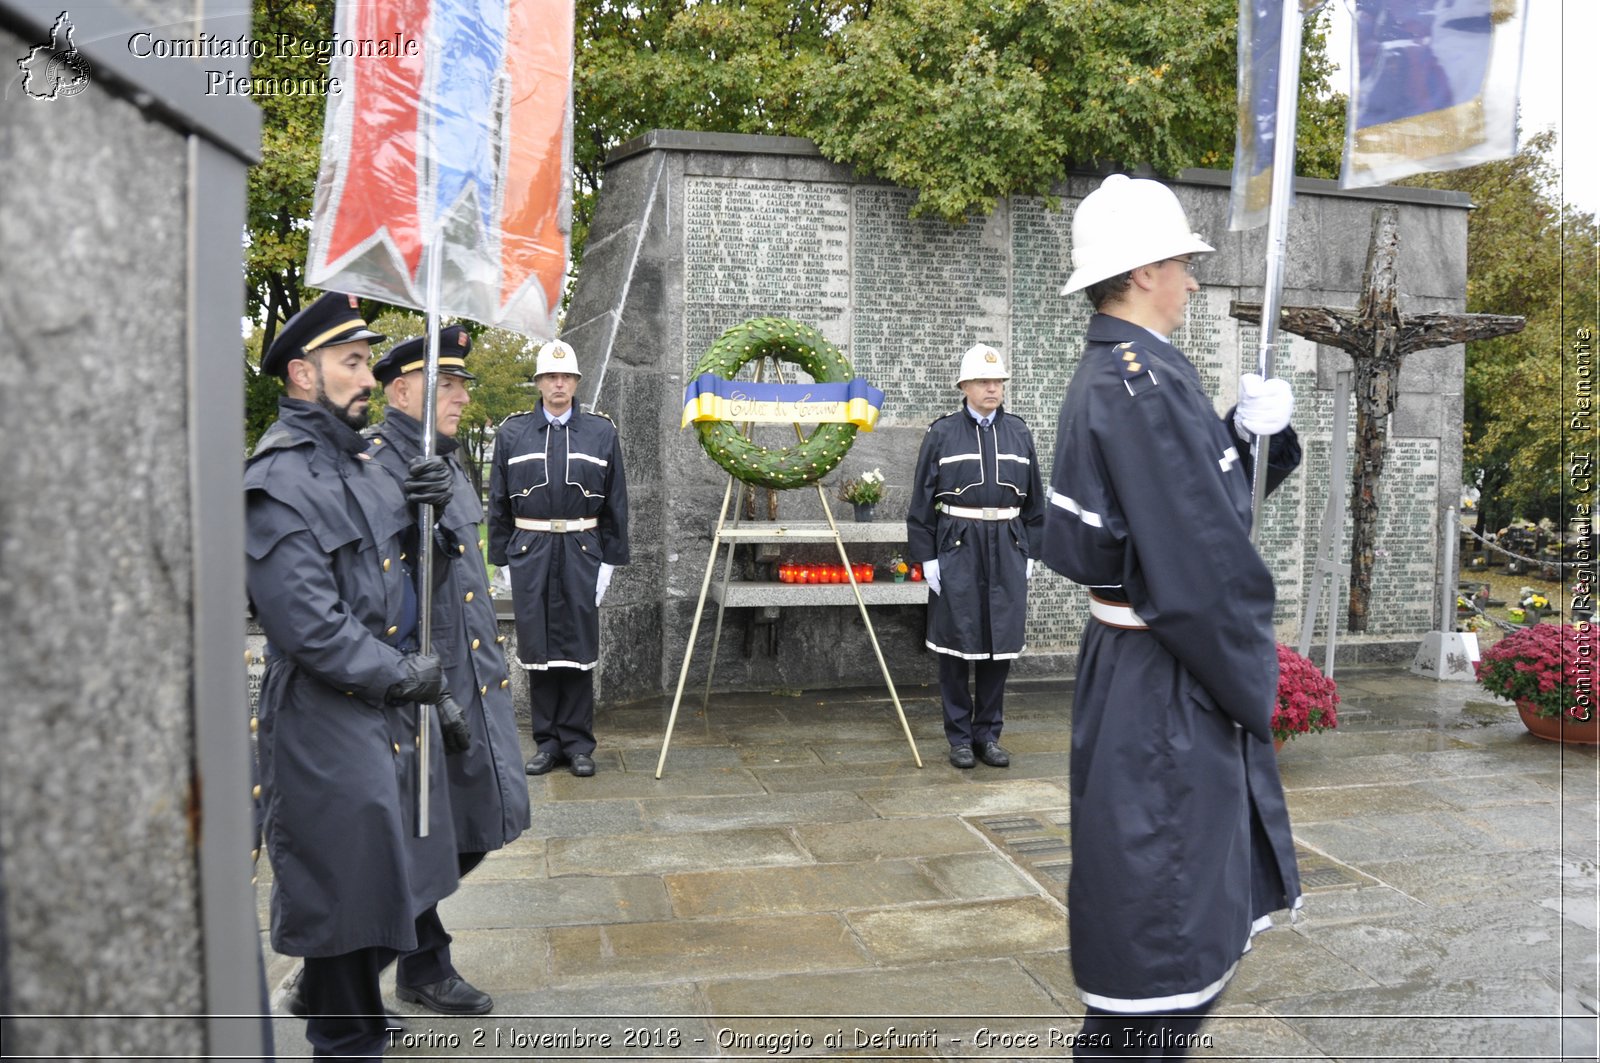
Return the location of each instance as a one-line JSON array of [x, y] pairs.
[[1433, 86]]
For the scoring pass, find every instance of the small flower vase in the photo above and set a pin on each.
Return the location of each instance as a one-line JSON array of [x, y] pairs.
[[865, 511]]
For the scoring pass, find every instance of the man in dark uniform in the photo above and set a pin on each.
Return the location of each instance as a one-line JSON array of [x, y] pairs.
[[974, 523], [558, 516], [327, 573], [488, 798], [1180, 835]]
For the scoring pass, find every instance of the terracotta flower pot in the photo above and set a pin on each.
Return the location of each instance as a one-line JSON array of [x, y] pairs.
[[1560, 729]]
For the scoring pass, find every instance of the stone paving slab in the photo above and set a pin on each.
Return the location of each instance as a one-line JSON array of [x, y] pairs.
[[1518, 788], [979, 986], [557, 901], [1336, 803], [679, 815], [1509, 1015], [983, 797], [1375, 839], [658, 854], [698, 949], [975, 876], [1248, 1032], [1438, 944], [899, 772], [955, 931], [561, 785], [1469, 879], [821, 888], [879, 839], [559, 819]]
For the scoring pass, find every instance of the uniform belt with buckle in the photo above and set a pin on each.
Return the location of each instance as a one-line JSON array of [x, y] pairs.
[[988, 513], [1115, 614], [573, 524]]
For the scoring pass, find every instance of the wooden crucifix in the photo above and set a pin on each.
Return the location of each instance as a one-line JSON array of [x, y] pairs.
[[1377, 337]]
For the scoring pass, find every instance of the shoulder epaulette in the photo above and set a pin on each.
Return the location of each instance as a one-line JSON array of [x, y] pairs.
[[602, 413], [513, 416], [1136, 366]]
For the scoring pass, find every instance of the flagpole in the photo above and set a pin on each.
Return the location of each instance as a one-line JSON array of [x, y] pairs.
[[430, 419], [1282, 192]]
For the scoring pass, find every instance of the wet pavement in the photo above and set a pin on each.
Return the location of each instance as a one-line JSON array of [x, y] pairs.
[[794, 887]]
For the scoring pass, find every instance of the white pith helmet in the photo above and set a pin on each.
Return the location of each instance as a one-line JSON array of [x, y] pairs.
[[1124, 224], [982, 362], [556, 356]]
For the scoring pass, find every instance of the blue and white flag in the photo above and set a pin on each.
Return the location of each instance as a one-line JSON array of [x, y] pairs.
[[1433, 86], [1260, 28]]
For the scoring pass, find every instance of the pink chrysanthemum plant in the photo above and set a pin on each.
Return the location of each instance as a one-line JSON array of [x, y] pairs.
[[1307, 699], [1548, 669]]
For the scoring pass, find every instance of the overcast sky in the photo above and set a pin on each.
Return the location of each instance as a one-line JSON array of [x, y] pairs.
[[1558, 69]]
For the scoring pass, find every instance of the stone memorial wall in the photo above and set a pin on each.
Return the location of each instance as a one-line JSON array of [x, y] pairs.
[[695, 233]]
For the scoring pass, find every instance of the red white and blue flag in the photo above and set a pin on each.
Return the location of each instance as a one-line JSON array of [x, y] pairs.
[[452, 128], [1433, 86]]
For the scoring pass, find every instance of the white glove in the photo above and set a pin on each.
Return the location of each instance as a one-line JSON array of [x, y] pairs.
[[603, 581], [1030, 568], [930, 574], [1265, 406]]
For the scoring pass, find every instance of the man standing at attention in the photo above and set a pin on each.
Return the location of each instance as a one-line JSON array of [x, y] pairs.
[[327, 573], [558, 517], [1180, 835], [974, 523], [488, 798]]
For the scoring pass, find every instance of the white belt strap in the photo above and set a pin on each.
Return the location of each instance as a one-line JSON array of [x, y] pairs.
[[1115, 614], [971, 513], [576, 524]]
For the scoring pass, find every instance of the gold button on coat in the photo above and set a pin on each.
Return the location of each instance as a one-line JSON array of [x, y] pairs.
[[504, 683], [468, 597], [392, 630], [255, 791], [476, 643], [386, 564], [255, 725]]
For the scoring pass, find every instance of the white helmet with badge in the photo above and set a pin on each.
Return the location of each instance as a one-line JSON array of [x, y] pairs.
[[1124, 224], [982, 362], [556, 356]]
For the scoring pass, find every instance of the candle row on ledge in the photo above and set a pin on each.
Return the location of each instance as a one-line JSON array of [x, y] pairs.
[[796, 572]]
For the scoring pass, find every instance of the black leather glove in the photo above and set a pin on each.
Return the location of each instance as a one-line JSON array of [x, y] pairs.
[[453, 725], [423, 682], [429, 482]]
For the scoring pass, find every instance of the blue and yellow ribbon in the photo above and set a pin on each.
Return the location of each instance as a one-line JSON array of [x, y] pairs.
[[713, 398]]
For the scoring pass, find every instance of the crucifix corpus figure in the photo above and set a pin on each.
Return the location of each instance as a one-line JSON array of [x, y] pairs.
[[1377, 337]]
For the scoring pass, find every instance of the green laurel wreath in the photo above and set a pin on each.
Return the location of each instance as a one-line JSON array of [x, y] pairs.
[[790, 341]]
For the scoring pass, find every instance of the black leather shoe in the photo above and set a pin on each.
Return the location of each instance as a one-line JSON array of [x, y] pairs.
[[453, 996], [991, 754], [961, 757], [541, 763], [295, 1004], [582, 765]]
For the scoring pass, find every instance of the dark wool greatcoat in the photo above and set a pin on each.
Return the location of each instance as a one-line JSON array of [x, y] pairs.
[[1180, 834], [981, 609], [327, 574], [547, 472], [488, 789]]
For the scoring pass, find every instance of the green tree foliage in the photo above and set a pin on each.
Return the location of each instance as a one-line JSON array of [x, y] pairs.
[[1525, 254], [282, 183], [966, 101]]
